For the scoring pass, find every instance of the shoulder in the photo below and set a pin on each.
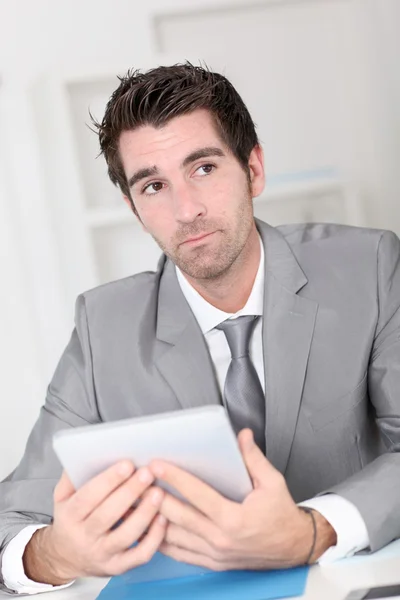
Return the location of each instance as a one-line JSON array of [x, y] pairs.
[[331, 234], [342, 252], [134, 295], [331, 239]]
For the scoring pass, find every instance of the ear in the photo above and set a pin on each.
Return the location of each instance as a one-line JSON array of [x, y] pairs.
[[129, 203], [256, 166]]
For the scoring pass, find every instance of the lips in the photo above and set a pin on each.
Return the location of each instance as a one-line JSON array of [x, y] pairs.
[[197, 238]]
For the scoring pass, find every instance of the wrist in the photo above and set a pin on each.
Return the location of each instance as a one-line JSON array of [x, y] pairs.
[[326, 536], [40, 560], [315, 536]]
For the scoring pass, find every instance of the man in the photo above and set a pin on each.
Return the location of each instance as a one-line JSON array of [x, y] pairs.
[[316, 310]]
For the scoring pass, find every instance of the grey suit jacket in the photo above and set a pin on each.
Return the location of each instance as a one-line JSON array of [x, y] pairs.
[[331, 343]]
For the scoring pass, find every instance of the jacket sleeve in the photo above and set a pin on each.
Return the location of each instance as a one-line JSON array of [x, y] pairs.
[[26, 496], [375, 490]]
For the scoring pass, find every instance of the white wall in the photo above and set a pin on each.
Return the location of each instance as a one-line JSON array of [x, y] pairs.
[[20, 384], [36, 35], [382, 29]]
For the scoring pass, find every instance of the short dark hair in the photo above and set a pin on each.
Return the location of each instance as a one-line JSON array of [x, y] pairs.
[[160, 94]]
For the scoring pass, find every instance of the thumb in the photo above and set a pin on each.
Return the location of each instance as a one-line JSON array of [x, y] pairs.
[[64, 489], [259, 468]]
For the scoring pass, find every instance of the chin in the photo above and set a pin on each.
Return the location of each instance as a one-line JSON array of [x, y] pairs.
[[203, 269]]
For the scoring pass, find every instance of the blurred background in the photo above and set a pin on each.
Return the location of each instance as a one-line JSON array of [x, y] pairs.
[[321, 79]]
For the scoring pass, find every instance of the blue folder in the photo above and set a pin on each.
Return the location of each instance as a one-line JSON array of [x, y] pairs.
[[164, 578]]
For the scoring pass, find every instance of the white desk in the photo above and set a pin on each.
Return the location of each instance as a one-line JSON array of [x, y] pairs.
[[331, 582]]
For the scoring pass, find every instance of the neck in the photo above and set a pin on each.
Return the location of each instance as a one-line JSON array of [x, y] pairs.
[[223, 291]]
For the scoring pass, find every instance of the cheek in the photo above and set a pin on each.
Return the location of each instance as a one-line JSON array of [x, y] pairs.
[[228, 197], [156, 218], [219, 197]]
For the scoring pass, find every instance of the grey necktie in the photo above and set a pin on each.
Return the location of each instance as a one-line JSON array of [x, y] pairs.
[[244, 396]]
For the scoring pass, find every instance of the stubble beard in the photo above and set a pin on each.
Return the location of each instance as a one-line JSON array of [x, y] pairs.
[[202, 262]]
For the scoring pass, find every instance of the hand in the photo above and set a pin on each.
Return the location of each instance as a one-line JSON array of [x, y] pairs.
[[84, 539], [266, 531]]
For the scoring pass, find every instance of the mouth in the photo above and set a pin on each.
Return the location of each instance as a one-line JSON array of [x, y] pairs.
[[198, 238]]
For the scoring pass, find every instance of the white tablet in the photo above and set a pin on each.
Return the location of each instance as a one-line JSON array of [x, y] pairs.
[[199, 440]]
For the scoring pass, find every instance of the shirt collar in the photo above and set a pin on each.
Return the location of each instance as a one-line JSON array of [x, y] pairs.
[[207, 315]]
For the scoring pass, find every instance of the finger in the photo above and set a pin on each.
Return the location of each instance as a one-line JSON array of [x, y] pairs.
[[130, 530], [144, 551], [64, 489], [192, 558], [118, 503], [198, 493], [259, 468], [189, 518], [95, 491], [177, 536]]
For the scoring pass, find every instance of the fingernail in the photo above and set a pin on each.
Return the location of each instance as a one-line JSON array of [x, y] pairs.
[[156, 497], [145, 476], [125, 469], [161, 520], [249, 439]]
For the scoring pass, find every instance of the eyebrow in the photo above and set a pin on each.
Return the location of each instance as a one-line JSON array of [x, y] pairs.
[[202, 153], [192, 157], [141, 174]]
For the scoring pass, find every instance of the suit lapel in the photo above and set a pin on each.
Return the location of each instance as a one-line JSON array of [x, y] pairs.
[[288, 326], [182, 354]]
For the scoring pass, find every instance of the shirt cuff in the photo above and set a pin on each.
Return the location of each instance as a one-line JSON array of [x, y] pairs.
[[346, 520], [13, 567]]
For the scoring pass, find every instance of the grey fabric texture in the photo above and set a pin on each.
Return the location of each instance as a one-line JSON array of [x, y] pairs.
[[243, 395], [331, 352]]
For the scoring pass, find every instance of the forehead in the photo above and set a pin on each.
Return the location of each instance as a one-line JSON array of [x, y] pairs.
[[175, 140]]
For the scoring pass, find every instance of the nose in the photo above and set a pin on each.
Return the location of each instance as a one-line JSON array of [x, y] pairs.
[[188, 205]]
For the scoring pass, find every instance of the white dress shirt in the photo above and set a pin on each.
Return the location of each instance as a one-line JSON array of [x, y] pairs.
[[352, 535]]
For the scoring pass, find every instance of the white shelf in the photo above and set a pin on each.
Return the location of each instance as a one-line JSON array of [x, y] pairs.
[[106, 217], [311, 187]]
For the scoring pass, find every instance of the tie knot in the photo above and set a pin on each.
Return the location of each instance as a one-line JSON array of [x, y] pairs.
[[238, 333]]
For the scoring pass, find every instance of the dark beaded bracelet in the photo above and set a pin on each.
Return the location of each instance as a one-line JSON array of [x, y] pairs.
[[311, 513]]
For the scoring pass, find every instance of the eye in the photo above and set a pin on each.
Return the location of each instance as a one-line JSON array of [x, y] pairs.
[[207, 169], [152, 188]]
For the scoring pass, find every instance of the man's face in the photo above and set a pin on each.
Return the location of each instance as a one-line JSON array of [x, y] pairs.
[[190, 193]]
